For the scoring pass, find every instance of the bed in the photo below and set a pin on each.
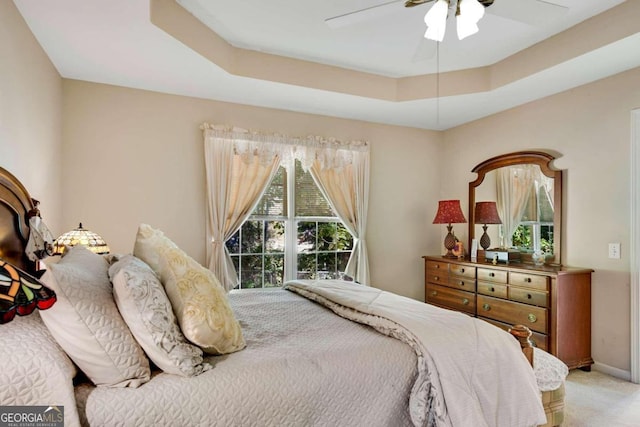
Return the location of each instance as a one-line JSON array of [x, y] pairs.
[[323, 353]]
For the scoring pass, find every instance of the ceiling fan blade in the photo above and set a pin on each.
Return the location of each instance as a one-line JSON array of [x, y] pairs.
[[362, 15], [426, 49], [532, 12]]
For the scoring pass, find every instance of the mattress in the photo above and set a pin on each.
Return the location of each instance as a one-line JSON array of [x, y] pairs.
[[303, 366]]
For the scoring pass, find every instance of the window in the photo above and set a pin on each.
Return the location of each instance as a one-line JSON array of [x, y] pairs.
[[535, 231], [283, 241]]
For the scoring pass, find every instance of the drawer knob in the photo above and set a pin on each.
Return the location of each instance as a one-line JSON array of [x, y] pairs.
[[434, 293], [492, 274], [532, 318], [527, 279], [486, 307], [461, 283], [436, 278], [493, 289], [462, 270], [529, 296], [465, 301]]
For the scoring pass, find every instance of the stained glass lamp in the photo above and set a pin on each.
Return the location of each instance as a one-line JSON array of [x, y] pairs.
[[80, 236], [21, 293], [449, 212]]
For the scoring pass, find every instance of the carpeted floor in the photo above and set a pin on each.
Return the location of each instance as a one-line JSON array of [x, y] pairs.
[[594, 399]]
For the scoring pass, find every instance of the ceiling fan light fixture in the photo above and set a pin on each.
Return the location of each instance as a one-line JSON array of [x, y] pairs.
[[468, 14], [466, 28], [436, 20]]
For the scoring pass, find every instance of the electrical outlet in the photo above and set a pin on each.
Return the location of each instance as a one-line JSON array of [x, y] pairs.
[[614, 250]]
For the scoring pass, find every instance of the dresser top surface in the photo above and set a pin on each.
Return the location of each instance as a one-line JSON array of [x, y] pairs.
[[511, 266]]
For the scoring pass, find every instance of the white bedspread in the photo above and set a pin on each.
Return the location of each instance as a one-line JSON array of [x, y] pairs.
[[470, 372], [303, 366]]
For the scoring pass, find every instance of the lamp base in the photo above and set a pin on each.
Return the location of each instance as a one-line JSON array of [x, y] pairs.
[[485, 240], [449, 243]]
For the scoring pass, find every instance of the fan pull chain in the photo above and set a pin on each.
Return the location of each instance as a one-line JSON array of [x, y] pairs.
[[438, 84]]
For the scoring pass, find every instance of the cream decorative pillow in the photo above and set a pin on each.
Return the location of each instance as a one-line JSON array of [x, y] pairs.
[[198, 300], [86, 323], [145, 308]]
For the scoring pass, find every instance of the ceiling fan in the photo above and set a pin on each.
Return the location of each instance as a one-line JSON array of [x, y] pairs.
[[531, 12]]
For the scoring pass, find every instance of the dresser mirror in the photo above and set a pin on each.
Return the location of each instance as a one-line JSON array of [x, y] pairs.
[[528, 194]]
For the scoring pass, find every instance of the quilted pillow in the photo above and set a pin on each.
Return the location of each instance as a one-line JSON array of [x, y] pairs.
[[86, 323], [198, 300], [35, 370], [145, 308]]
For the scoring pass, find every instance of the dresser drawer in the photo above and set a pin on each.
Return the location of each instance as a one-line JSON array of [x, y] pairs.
[[537, 339], [451, 298], [529, 296], [493, 289], [462, 283], [513, 313], [438, 266], [529, 281], [463, 271], [438, 277], [489, 275]]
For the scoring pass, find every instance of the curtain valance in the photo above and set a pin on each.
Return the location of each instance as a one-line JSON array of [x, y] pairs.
[[331, 153]]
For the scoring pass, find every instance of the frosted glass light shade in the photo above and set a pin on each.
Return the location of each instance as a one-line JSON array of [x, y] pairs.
[[436, 20], [466, 28], [469, 13]]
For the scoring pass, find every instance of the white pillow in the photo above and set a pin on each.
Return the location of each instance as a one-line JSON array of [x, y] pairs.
[[145, 308], [35, 370], [198, 300], [86, 323]]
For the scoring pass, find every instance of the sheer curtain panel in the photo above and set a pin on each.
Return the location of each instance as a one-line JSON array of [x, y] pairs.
[[239, 167], [343, 177], [514, 185]]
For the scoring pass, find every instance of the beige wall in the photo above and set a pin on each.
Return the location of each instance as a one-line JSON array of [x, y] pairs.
[[590, 128], [30, 113], [134, 156]]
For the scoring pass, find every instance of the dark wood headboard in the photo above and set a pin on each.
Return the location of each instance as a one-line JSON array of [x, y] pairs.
[[16, 207]]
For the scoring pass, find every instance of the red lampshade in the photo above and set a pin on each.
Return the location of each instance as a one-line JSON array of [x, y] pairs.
[[449, 212], [486, 213]]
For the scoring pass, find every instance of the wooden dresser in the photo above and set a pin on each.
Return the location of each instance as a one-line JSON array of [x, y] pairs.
[[554, 302]]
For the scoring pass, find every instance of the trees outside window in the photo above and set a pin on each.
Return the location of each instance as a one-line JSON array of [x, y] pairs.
[[283, 241]]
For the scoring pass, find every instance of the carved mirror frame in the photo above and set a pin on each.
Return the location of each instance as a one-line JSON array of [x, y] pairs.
[[543, 160]]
